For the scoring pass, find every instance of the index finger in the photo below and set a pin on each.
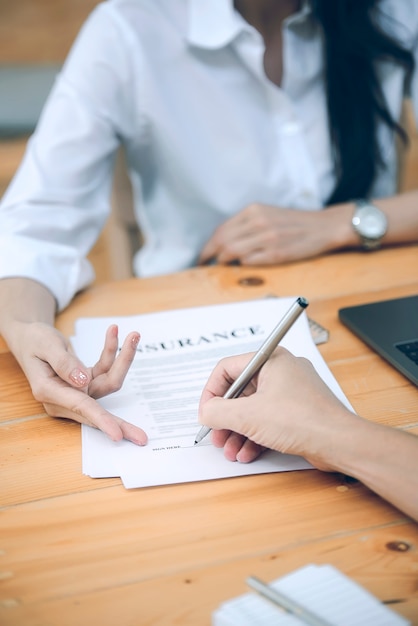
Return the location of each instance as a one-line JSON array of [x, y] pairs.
[[223, 375], [227, 231]]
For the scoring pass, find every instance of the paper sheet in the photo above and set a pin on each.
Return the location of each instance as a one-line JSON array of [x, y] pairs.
[[322, 589], [177, 352]]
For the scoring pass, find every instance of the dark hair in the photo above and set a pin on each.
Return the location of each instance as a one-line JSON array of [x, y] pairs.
[[354, 44]]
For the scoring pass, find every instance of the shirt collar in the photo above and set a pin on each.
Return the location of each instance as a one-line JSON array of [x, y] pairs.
[[215, 23], [302, 17]]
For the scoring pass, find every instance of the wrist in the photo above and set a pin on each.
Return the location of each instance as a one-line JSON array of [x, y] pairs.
[[349, 452], [341, 232], [358, 224], [24, 302], [336, 443], [369, 223]]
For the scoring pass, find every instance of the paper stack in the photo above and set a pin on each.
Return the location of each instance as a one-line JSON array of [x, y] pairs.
[[176, 354]]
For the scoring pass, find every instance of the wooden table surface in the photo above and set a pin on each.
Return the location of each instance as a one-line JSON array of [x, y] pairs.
[[76, 551]]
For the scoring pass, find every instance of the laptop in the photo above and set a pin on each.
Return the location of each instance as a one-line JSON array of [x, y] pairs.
[[390, 327]]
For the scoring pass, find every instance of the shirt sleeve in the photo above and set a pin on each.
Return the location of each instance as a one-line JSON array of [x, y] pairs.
[[58, 201], [414, 82]]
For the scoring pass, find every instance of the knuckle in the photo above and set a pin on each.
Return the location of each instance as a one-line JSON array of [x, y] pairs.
[[112, 384], [116, 386], [50, 410], [260, 222], [270, 238], [40, 391], [252, 209]]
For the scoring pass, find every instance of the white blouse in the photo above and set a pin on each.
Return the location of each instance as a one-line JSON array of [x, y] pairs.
[[181, 84]]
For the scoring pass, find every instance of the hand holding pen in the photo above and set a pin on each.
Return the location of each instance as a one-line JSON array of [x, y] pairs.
[[261, 356]]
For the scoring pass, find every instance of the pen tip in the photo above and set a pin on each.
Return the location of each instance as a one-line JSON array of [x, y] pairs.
[[196, 442]]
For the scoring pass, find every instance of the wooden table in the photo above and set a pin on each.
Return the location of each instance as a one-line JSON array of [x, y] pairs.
[[79, 551]]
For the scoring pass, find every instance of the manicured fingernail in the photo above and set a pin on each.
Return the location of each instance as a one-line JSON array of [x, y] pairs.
[[135, 340], [79, 377]]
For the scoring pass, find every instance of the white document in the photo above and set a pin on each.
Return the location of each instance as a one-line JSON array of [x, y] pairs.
[[323, 590], [177, 352]]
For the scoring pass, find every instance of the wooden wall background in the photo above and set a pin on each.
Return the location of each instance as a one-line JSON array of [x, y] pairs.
[[37, 32], [41, 31], [32, 32]]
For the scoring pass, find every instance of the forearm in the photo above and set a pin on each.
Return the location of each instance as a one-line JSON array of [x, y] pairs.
[[384, 459], [401, 212], [23, 301]]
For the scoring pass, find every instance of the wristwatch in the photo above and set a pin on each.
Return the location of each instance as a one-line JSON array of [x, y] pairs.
[[370, 224]]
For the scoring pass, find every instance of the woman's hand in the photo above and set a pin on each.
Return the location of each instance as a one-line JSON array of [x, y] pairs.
[[266, 235], [286, 407], [67, 388]]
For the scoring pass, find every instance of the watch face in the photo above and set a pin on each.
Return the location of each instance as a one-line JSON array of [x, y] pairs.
[[370, 222]]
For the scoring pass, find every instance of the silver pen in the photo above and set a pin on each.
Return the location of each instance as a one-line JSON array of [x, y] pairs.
[[261, 356], [284, 602]]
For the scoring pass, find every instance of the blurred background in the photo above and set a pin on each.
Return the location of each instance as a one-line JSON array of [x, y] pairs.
[[35, 37]]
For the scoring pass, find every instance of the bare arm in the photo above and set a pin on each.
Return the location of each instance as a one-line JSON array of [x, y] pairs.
[[23, 301], [313, 424], [385, 459], [402, 214], [65, 385], [261, 234]]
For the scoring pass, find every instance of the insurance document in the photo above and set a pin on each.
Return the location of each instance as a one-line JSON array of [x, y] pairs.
[[177, 352]]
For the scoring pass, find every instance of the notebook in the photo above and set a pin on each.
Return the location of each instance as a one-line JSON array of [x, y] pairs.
[[333, 598], [390, 327]]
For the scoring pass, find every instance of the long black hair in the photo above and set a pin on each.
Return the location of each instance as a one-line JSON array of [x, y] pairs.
[[354, 45]]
